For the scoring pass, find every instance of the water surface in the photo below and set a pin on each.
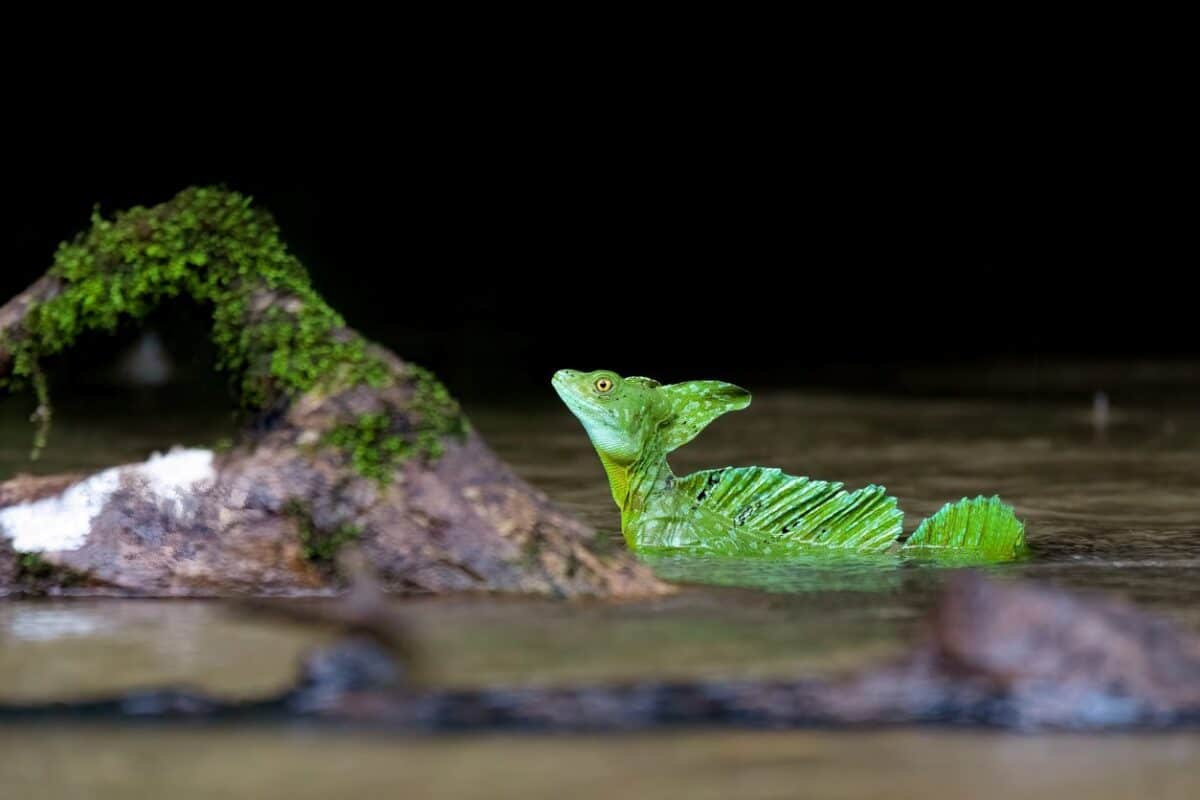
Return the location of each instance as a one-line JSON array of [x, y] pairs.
[[1115, 510]]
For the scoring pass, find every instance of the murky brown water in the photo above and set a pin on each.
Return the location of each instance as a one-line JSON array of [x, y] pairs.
[[1118, 512], [134, 764]]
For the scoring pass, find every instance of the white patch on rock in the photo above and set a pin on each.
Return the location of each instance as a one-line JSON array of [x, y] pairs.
[[62, 522]]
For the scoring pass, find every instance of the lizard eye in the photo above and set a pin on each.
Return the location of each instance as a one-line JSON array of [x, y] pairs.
[[604, 385]]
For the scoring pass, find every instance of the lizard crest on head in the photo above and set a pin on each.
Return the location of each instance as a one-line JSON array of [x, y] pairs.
[[631, 418]]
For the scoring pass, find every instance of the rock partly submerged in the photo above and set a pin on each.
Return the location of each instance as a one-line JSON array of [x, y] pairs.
[[344, 442], [1013, 656], [267, 519]]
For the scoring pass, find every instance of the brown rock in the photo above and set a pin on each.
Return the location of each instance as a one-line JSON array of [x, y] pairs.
[[438, 512]]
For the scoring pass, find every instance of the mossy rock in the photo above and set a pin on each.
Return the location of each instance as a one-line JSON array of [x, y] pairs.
[[375, 450]]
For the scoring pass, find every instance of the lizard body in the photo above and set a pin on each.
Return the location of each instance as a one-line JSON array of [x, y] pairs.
[[634, 423]]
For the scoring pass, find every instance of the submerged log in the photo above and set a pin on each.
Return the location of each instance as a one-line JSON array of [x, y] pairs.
[[999, 656], [345, 441]]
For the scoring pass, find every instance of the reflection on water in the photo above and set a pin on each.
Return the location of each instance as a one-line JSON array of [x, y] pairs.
[[52, 648], [1118, 513], [38, 624], [822, 571], [816, 573]]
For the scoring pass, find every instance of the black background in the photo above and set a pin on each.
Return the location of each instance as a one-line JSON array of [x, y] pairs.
[[814, 240]]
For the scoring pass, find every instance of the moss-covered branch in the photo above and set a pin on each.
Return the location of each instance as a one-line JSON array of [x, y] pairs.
[[274, 333]]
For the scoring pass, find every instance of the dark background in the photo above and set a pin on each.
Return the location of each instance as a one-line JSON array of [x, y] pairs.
[[846, 247]]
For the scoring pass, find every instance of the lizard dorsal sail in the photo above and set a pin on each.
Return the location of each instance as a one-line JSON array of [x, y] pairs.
[[769, 512], [985, 527]]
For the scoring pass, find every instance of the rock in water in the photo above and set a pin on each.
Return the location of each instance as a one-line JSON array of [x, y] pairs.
[[346, 441]]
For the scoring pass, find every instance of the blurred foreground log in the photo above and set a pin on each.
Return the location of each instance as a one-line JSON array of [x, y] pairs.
[[995, 655]]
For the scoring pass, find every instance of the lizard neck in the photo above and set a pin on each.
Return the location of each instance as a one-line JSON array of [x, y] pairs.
[[633, 484], [618, 479]]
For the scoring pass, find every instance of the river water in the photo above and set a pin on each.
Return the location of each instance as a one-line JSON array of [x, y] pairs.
[[1114, 509]]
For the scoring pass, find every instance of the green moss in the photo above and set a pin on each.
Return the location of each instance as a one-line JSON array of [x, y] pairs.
[[320, 546], [215, 247], [33, 566], [37, 575], [438, 413], [374, 450], [377, 444]]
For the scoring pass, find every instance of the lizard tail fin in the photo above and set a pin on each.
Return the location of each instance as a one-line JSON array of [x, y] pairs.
[[985, 528]]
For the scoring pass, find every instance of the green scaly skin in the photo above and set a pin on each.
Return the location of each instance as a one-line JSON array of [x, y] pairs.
[[635, 423]]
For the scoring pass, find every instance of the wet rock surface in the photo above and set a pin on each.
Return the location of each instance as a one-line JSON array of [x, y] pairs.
[[275, 513], [1015, 656], [344, 441]]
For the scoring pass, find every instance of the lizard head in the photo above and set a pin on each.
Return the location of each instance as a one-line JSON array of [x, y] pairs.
[[625, 416]]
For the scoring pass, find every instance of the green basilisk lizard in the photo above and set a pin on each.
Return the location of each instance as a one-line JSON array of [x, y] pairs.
[[634, 423]]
